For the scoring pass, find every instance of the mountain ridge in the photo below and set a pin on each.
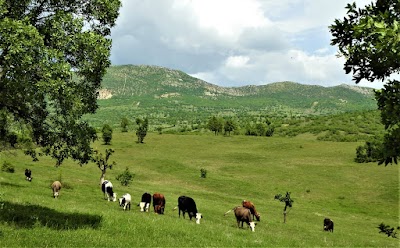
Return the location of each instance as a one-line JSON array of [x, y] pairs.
[[133, 79]]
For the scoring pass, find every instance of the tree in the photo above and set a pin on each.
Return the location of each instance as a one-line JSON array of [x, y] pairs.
[[125, 177], [124, 124], [107, 134], [102, 162], [141, 131], [288, 203], [215, 124], [368, 39], [229, 126], [53, 56]]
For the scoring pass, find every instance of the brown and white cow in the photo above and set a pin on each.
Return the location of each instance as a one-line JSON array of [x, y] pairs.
[[243, 214], [252, 208], [158, 203]]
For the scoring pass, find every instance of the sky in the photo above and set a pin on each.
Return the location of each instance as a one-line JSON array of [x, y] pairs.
[[234, 43]]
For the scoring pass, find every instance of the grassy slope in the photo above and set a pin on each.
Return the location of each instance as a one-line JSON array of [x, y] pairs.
[[322, 177]]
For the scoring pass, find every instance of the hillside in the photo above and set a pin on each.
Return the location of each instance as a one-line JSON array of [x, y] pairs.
[[156, 92]]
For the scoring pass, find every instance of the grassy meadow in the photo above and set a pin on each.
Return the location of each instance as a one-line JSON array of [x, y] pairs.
[[322, 177]]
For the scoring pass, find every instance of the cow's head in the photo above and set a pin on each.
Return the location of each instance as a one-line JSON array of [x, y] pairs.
[[114, 197], [159, 209], [198, 217], [252, 226], [142, 206], [121, 201], [56, 194]]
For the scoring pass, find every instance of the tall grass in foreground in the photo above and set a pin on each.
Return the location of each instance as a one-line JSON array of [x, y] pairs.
[[321, 176]]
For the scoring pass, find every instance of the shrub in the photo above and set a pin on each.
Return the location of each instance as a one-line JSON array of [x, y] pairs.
[[7, 167], [124, 124], [203, 173], [371, 151], [107, 134], [389, 231], [125, 177]]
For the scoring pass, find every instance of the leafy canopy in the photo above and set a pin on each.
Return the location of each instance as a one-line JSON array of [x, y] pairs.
[[369, 40], [53, 55]]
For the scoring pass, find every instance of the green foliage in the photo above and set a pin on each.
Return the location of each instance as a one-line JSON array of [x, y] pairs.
[[368, 39], [7, 167], [229, 126], [125, 177], [203, 173], [53, 57], [386, 229], [215, 124], [124, 124], [107, 134], [389, 105], [286, 199], [141, 132], [371, 151], [102, 161], [259, 129]]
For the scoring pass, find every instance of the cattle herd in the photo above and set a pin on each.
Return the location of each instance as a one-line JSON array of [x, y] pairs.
[[243, 214]]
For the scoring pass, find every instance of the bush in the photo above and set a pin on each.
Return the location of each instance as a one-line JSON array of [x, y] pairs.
[[107, 134], [372, 151], [7, 167], [203, 173], [125, 177]]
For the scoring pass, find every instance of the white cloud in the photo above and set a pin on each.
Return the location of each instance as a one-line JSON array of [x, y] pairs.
[[237, 61], [234, 42]]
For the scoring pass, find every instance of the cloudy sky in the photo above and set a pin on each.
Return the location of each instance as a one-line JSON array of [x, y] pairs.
[[234, 42]]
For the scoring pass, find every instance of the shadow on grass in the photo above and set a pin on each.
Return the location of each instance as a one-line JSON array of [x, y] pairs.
[[28, 216], [11, 185]]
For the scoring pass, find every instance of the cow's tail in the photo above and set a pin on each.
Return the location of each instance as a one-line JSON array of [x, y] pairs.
[[229, 211]]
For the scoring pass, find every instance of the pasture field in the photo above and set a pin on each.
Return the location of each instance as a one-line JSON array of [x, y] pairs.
[[322, 177]]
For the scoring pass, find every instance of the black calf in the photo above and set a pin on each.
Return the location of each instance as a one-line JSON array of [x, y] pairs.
[[328, 225]]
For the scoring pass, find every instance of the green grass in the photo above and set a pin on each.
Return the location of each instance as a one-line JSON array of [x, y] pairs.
[[321, 176]]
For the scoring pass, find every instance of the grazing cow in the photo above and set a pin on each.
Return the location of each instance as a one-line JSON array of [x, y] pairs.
[[125, 201], [158, 203], [328, 225], [28, 175], [56, 186], [243, 214], [145, 202], [187, 204], [250, 205], [107, 189]]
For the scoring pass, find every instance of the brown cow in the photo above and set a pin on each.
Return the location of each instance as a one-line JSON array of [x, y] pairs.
[[252, 208], [158, 203], [243, 214]]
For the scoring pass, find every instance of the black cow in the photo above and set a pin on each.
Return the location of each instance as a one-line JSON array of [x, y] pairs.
[[145, 202], [328, 225], [187, 204], [28, 175]]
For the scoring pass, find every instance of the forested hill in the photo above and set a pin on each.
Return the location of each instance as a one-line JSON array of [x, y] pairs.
[[151, 86]]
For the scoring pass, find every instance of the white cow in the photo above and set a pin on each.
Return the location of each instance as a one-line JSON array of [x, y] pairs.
[[125, 201]]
